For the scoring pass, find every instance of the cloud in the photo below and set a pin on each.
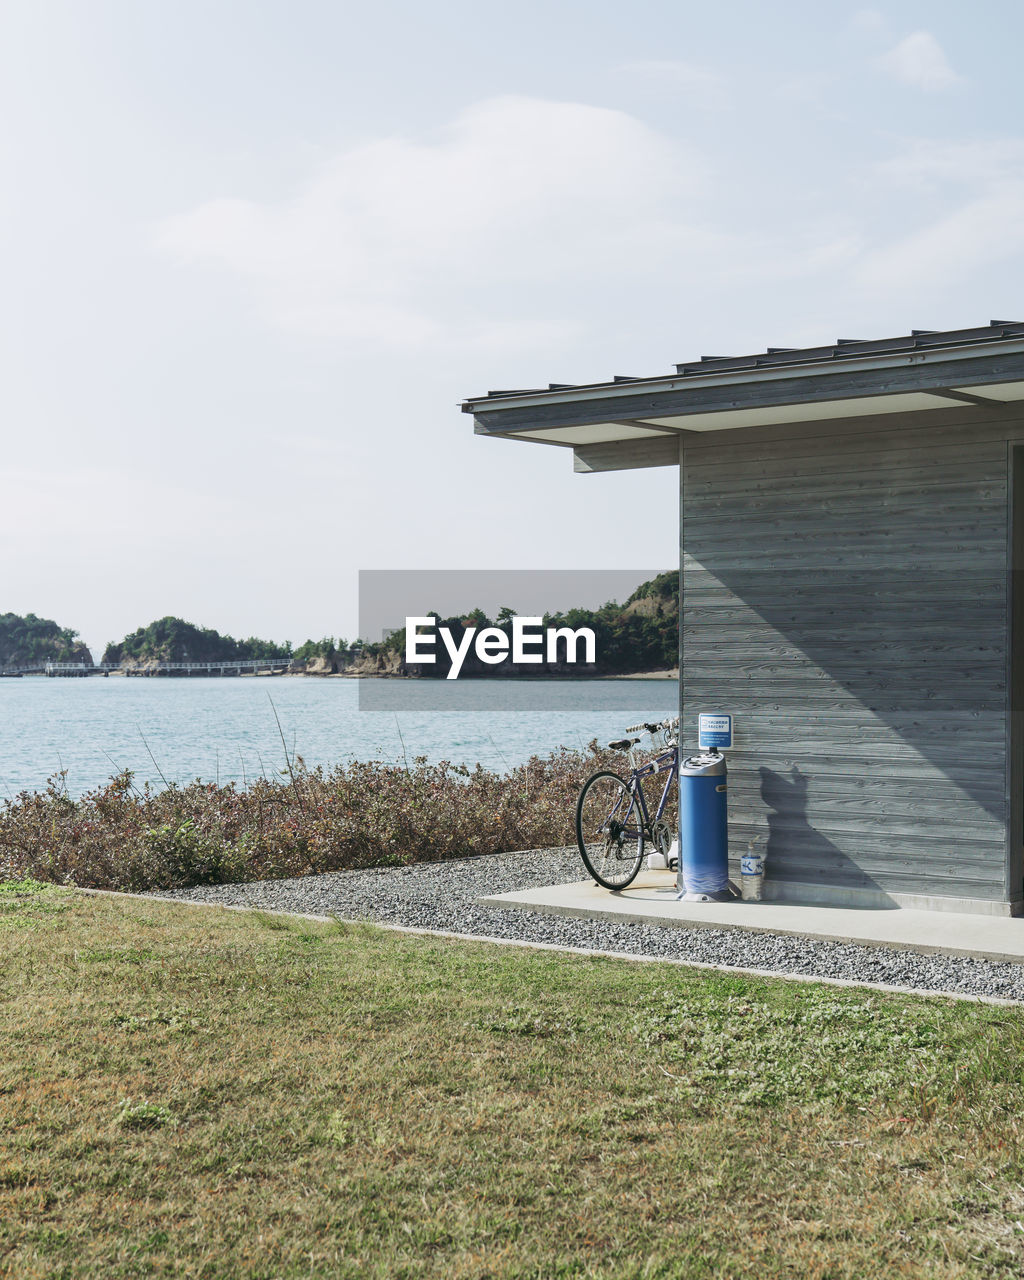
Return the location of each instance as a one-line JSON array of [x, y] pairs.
[[526, 225], [981, 232], [868, 22], [810, 89], [919, 61], [117, 507], [702, 84], [932, 163], [970, 197], [528, 232], [402, 240]]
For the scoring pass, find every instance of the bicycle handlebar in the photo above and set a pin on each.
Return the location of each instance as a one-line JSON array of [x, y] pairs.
[[670, 723]]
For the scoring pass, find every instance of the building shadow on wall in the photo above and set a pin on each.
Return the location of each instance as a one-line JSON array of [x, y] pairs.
[[892, 647], [792, 839]]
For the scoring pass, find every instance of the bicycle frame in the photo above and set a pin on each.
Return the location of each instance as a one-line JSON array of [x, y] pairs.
[[667, 761]]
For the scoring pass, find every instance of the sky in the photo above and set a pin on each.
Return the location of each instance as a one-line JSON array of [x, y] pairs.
[[253, 255]]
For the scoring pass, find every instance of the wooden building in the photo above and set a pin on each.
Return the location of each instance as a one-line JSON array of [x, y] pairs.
[[852, 590]]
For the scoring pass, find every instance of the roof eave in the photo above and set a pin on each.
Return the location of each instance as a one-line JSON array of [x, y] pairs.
[[679, 397], [767, 376]]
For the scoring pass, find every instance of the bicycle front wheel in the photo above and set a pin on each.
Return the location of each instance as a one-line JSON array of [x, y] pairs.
[[609, 830]]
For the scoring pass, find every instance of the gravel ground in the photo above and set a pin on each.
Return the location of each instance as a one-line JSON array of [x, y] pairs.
[[444, 896]]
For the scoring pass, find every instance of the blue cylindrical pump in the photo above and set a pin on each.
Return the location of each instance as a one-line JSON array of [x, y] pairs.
[[703, 825]]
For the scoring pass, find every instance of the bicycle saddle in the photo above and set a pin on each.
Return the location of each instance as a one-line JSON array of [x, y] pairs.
[[623, 744]]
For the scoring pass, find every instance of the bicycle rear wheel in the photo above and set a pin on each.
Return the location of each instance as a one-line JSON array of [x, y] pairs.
[[609, 830]]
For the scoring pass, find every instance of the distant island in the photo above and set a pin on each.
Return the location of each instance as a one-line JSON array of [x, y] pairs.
[[28, 640], [174, 640], [638, 636]]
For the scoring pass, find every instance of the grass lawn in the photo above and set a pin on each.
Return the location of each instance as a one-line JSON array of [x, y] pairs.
[[208, 1093]]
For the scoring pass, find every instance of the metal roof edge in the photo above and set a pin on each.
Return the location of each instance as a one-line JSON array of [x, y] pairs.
[[775, 373]]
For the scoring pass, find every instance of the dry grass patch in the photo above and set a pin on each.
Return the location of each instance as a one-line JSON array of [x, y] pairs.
[[206, 1093], [296, 822]]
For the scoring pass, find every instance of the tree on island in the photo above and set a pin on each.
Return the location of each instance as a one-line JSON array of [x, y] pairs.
[[174, 640], [27, 640], [328, 648]]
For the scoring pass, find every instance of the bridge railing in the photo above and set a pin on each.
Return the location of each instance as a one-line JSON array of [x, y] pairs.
[[246, 664], [209, 666]]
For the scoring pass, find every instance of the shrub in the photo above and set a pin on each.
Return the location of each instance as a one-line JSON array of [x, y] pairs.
[[352, 816]]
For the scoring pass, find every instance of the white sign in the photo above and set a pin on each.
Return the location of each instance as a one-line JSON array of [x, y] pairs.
[[714, 729]]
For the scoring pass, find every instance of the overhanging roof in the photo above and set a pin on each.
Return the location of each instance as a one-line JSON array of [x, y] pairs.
[[639, 421]]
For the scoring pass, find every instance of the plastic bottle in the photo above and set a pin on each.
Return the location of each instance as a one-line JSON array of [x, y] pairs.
[[751, 874]]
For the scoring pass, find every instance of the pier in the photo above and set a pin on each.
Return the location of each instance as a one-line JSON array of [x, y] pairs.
[[244, 667]]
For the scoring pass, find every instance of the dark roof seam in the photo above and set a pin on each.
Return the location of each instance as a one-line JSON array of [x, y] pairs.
[[842, 349]]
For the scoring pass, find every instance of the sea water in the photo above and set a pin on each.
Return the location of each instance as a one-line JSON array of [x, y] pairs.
[[226, 730]]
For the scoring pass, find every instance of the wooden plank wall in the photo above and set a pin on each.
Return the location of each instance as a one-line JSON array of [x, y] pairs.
[[845, 596]]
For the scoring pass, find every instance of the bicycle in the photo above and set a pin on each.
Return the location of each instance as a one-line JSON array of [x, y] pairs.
[[612, 818]]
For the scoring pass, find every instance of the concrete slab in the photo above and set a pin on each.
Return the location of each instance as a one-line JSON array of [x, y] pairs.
[[651, 900]]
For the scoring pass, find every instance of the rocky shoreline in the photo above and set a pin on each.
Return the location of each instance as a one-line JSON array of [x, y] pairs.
[[349, 663], [392, 666]]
